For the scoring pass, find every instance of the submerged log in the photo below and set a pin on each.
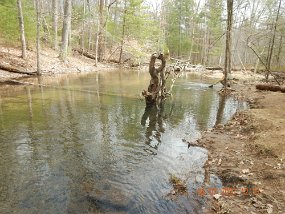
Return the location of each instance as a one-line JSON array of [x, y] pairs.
[[84, 53], [267, 87], [15, 70]]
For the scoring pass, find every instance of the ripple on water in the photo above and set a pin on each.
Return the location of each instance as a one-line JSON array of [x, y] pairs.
[[69, 152]]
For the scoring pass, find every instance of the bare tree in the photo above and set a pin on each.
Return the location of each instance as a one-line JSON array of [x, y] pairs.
[[55, 21], [272, 43], [22, 28], [123, 33], [38, 8], [83, 27], [228, 51], [65, 30], [100, 33]]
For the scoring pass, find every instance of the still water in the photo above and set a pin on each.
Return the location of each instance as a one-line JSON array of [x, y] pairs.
[[96, 149]]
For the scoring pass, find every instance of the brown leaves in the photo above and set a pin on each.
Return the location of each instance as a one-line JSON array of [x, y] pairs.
[[178, 184]]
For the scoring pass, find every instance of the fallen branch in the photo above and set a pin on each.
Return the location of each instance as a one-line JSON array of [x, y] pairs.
[[15, 70], [214, 68], [84, 53], [267, 87], [260, 59]]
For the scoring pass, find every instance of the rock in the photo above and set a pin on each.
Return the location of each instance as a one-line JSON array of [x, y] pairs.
[[245, 171], [217, 196], [269, 208], [219, 162]]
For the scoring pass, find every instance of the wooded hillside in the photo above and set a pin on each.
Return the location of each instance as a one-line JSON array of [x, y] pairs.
[[121, 29]]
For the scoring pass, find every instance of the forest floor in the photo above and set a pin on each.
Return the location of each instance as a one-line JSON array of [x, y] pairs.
[[50, 63], [247, 153]]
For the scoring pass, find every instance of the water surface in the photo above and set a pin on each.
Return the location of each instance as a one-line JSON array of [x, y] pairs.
[[96, 149]]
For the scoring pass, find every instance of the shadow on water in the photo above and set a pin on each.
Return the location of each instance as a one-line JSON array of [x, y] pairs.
[[68, 152]]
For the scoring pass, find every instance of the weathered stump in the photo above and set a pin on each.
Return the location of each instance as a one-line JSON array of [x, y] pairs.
[[156, 90]]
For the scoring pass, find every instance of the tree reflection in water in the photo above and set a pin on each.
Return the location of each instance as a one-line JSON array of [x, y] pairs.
[[221, 109], [153, 120]]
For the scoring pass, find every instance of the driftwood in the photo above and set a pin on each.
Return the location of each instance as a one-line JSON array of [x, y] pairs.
[[267, 87], [15, 70], [84, 53]]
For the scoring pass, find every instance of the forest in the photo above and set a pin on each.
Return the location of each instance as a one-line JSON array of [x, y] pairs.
[[142, 106], [116, 30]]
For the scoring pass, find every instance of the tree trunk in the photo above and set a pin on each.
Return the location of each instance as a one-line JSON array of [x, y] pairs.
[[90, 16], [228, 42], [65, 30], [38, 6], [100, 33], [279, 52], [22, 28], [270, 52], [55, 22], [97, 42], [123, 33], [83, 26]]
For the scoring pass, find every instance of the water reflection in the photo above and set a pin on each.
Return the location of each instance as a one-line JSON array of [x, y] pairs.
[[68, 152], [221, 108], [153, 120]]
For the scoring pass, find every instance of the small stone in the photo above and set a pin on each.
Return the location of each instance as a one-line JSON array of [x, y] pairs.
[[219, 162], [269, 210], [217, 196]]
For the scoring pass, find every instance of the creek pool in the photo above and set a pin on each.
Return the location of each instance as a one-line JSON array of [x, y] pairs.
[[95, 148]]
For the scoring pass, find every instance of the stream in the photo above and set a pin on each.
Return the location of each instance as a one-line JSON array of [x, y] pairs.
[[96, 149]]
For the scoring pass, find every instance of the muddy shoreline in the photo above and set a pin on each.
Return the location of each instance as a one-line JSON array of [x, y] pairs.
[[247, 153]]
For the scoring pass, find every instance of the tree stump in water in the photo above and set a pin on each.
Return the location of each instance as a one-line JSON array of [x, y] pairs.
[[156, 91]]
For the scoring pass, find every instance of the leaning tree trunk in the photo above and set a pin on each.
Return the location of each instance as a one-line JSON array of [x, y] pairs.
[[156, 91], [22, 29]]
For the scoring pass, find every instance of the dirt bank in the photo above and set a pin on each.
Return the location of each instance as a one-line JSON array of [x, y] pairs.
[[248, 153], [50, 63]]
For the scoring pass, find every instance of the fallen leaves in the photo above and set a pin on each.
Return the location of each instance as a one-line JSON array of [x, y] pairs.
[[178, 184]]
